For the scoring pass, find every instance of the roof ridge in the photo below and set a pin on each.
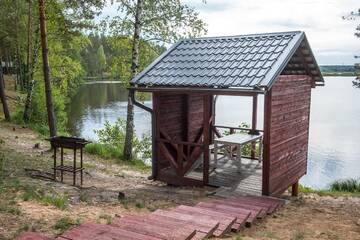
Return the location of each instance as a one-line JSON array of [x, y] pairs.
[[243, 35]]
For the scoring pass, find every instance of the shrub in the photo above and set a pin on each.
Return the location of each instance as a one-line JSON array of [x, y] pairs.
[[112, 139]]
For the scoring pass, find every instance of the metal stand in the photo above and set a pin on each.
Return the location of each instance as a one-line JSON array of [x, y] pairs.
[[68, 143]]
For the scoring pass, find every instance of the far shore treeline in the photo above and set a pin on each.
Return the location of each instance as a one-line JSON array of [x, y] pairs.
[[51, 46]]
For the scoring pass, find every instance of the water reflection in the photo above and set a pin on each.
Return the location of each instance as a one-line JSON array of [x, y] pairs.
[[94, 104], [334, 149]]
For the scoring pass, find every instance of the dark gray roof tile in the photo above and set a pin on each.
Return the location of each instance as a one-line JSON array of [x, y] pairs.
[[247, 61]]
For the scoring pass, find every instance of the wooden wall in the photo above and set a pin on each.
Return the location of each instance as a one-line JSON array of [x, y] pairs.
[[287, 111], [178, 117]]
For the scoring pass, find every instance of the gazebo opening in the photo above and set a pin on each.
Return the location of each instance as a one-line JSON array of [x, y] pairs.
[[229, 170]]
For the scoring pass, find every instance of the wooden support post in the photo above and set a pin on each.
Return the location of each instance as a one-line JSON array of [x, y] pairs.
[[74, 172], [54, 163], [206, 134], [266, 145], [295, 189], [253, 124], [62, 164], [155, 135], [81, 166], [179, 160]]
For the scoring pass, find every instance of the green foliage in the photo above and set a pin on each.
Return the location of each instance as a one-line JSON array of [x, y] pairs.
[[162, 21], [38, 116], [104, 150], [113, 136], [114, 153], [101, 58], [346, 185]]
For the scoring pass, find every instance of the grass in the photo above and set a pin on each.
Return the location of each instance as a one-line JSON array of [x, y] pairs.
[[31, 193], [64, 224], [58, 201], [103, 150], [346, 187], [114, 153], [267, 234], [139, 205], [298, 235], [107, 218]]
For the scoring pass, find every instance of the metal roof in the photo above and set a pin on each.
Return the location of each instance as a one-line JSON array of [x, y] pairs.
[[244, 62]]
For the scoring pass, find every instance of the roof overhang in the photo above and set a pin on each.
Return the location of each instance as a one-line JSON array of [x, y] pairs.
[[198, 90]]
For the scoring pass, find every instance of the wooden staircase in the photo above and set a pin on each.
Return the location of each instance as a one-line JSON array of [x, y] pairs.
[[213, 218]]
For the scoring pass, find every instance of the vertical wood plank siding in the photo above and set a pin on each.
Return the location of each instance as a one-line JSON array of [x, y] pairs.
[[288, 131], [180, 116]]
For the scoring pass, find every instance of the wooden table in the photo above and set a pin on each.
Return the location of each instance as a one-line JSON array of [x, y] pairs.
[[237, 140]]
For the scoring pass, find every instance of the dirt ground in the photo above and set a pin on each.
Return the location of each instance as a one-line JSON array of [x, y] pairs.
[[307, 217]]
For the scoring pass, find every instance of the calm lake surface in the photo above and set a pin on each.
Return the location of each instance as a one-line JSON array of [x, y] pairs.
[[334, 147]]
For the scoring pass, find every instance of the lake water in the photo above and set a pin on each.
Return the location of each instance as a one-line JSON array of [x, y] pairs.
[[334, 145]]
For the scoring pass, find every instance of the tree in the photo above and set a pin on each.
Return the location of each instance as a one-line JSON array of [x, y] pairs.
[[3, 96], [46, 70], [354, 16], [152, 20], [101, 59]]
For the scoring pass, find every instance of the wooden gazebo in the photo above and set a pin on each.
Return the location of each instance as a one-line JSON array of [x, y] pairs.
[[185, 80]]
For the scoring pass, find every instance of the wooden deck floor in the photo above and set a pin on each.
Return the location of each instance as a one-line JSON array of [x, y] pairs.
[[229, 181]]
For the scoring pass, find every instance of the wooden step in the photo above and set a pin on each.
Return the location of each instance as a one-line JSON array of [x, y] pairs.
[[201, 224], [260, 212], [225, 221], [201, 231], [258, 201], [94, 231], [150, 228], [242, 215], [279, 201]]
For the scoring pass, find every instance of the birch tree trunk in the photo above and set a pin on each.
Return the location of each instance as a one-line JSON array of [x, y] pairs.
[[46, 70], [29, 84], [134, 70], [29, 45], [3, 96]]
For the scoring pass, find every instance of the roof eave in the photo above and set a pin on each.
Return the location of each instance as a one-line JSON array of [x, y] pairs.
[[201, 90]]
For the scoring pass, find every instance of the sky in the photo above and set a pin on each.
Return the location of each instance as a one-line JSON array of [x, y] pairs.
[[330, 36]]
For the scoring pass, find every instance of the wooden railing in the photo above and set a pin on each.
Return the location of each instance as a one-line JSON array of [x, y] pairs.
[[186, 154]]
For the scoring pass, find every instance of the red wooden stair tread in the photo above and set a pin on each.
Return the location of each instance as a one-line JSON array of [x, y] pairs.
[[242, 215], [102, 232], [225, 222], [201, 224], [141, 224], [260, 212]]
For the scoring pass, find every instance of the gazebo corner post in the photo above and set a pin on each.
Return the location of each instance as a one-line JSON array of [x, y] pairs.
[[206, 135], [153, 130], [254, 123], [295, 189], [266, 145]]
